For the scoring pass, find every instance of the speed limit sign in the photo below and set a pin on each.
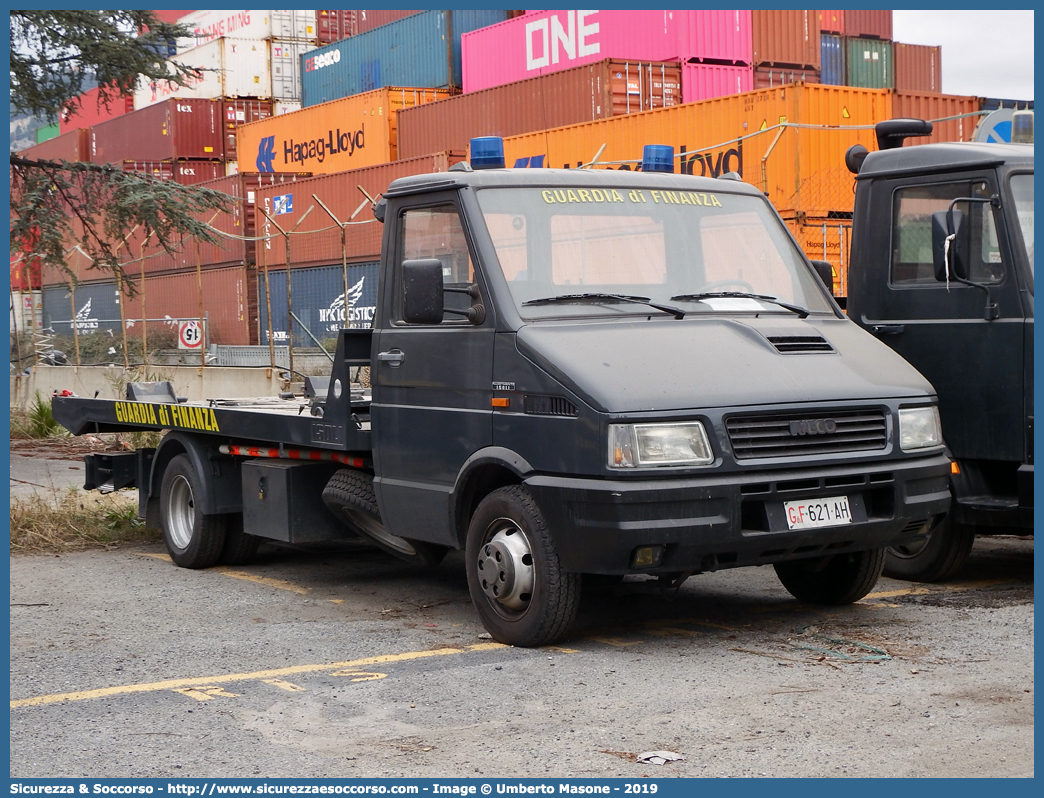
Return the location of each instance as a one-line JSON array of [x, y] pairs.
[[190, 335]]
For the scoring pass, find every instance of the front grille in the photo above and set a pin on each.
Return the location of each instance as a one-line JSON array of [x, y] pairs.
[[537, 405], [793, 435], [791, 344]]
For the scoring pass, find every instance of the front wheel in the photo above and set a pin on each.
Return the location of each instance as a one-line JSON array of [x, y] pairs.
[[840, 579], [517, 583], [938, 557], [194, 539]]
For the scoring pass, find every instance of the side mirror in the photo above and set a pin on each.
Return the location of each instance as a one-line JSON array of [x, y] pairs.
[[940, 232], [826, 273], [422, 291]]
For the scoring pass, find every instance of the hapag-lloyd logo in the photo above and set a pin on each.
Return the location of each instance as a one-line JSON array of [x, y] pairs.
[[547, 39], [700, 164], [342, 313]]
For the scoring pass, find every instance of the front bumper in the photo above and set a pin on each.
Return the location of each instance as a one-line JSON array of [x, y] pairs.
[[731, 520]]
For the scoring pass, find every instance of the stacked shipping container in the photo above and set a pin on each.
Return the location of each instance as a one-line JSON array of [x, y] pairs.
[[787, 43]]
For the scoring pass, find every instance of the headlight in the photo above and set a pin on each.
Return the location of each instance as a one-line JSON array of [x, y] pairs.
[[919, 428], [643, 445]]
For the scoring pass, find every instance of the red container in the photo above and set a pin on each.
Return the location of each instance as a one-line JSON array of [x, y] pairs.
[[707, 81], [869, 24], [238, 112], [368, 20], [339, 192], [187, 173], [332, 26], [918, 67], [932, 106], [71, 146], [832, 22], [170, 16], [171, 130], [581, 94], [785, 38], [771, 77], [90, 113]]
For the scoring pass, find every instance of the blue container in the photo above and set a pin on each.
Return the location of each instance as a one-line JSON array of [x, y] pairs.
[[319, 301], [995, 103], [419, 50], [832, 60], [97, 310]]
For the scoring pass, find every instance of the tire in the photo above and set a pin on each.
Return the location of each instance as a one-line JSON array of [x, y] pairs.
[[350, 496], [240, 547], [843, 579], [194, 539], [517, 583], [939, 557]]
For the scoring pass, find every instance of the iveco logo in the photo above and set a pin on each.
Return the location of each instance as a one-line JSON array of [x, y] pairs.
[[822, 426]]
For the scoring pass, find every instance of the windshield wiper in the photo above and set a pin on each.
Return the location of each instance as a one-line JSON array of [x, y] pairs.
[[802, 312], [678, 313]]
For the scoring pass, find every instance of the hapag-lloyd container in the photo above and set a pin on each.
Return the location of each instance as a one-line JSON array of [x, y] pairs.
[[932, 106], [89, 112], [344, 134], [803, 170], [418, 50], [227, 68], [188, 128], [340, 193], [785, 38], [245, 24], [542, 42], [918, 67], [71, 146], [580, 94]]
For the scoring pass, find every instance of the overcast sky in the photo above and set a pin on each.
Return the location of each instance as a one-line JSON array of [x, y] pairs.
[[984, 53]]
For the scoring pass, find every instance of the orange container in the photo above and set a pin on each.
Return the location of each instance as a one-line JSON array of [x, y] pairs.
[[802, 170], [317, 241], [931, 106], [349, 133]]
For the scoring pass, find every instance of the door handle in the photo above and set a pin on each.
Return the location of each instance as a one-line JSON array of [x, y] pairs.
[[393, 357], [888, 329]]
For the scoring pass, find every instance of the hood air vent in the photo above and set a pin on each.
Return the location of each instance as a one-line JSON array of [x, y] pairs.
[[796, 344], [536, 405]]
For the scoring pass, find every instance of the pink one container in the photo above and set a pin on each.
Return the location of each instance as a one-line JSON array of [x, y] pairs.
[[540, 42]]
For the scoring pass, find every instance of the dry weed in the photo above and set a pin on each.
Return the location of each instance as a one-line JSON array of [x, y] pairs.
[[74, 521]]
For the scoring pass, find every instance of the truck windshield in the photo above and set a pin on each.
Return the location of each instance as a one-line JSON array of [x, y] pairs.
[[583, 252], [1022, 191]]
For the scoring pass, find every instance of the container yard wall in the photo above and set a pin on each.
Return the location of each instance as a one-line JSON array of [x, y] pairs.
[[343, 134], [543, 42], [770, 77], [804, 171], [378, 57], [368, 20], [174, 129], [869, 24], [870, 63], [832, 59], [239, 112], [707, 81], [71, 146], [316, 244], [932, 107], [832, 22], [90, 113], [244, 24], [785, 38], [918, 67], [319, 301], [332, 26], [580, 94], [227, 68]]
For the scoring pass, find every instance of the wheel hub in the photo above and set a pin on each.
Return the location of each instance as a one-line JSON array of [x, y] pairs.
[[505, 567], [181, 510]]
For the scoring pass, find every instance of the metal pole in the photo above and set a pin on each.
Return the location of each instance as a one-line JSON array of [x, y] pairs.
[[199, 290], [289, 307], [268, 306], [344, 254], [75, 326], [144, 314], [841, 269]]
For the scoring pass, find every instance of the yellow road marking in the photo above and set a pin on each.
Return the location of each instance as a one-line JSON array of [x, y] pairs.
[[288, 686], [206, 693], [615, 641], [281, 584], [155, 556], [177, 684], [920, 590], [668, 631], [361, 676]]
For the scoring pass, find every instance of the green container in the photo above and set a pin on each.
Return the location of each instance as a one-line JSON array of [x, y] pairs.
[[871, 63], [46, 133]]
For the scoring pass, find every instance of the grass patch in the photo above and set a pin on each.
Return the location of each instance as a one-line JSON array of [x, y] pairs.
[[36, 421], [74, 521]]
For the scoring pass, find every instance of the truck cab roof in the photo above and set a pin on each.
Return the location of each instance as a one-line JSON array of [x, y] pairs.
[[926, 158]]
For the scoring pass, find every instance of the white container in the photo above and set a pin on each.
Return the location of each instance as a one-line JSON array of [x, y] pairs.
[[228, 68], [286, 68], [210, 25], [231, 168], [280, 108]]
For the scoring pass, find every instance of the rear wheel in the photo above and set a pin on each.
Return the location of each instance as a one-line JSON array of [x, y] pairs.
[[932, 559], [194, 539], [240, 547], [840, 579], [517, 583], [350, 496]]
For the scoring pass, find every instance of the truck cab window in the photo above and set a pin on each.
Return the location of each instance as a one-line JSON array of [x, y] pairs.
[[912, 233], [1022, 191], [437, 232]]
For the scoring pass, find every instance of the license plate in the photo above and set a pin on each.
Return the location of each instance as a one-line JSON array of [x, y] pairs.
[[813, 513]]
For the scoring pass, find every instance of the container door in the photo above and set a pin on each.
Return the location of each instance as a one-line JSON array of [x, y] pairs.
[[432, 383], [976, 366]]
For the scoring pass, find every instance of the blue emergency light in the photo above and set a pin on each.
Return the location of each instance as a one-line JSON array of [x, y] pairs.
[[487, 152], [658, 158]]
